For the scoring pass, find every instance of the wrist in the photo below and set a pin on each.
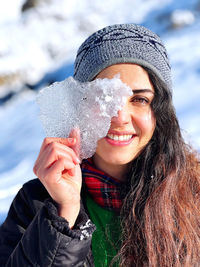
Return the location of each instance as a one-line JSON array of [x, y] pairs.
[[69, 212]]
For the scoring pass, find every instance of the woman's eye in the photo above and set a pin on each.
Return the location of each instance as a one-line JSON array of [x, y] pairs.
[[140, 100]]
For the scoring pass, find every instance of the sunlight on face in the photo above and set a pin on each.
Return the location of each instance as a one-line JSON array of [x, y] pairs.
[[132, 129]]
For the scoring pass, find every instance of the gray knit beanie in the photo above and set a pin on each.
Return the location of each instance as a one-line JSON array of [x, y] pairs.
[[122, 43]]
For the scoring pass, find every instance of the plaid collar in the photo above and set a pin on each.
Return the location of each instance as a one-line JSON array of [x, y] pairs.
[[104, 189]]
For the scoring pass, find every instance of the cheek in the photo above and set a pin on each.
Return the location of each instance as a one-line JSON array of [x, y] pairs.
[[101, 148], [146, 123]]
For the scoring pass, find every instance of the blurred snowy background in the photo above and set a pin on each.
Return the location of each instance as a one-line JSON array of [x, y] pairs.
[[38, 43]]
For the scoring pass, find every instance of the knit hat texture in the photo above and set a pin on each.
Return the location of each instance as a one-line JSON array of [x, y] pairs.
[[122, 43]]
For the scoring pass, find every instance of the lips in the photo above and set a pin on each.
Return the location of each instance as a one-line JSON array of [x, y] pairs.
[[121, 132], [119, 138], [124, 137]]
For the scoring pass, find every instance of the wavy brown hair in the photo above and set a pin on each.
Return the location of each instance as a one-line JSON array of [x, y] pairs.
[[161, 210]]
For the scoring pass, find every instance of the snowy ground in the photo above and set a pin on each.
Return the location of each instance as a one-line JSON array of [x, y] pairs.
[[37, 44]]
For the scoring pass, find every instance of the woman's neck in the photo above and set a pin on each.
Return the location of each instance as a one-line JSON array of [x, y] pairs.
[[116, 171]]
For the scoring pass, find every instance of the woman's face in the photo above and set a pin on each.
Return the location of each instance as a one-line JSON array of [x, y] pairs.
[[133, 127]]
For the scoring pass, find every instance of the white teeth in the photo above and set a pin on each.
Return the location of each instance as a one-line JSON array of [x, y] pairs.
[[115, 137], [121, 138], [125, 137]]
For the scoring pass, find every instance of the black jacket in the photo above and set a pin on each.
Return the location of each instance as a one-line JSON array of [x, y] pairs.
[[34, 235]]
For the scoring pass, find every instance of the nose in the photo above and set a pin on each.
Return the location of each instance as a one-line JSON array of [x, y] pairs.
[[123, 116]]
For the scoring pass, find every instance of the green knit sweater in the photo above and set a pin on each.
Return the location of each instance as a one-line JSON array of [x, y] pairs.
[[106, 239]]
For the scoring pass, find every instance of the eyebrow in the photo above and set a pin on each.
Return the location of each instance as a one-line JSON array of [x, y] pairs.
[[137, 91]]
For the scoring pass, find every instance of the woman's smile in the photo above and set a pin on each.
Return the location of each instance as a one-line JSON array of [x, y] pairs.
[[133, 126], [119, 139]]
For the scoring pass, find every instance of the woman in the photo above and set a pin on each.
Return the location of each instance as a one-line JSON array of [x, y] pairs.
[[140, 190]]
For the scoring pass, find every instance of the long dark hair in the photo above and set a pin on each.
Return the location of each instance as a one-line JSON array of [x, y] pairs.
[[161, 211]]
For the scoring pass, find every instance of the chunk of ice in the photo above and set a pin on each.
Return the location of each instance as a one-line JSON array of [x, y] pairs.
[[88, 106]]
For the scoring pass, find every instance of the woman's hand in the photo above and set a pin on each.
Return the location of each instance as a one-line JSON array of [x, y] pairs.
[[57, 167]]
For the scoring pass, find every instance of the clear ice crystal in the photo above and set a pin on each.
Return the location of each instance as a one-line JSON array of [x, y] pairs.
[[88, 106]]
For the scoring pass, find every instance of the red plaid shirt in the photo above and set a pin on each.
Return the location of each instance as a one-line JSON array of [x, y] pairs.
[[104, 189]]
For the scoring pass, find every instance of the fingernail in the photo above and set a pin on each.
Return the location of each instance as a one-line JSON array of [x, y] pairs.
[[78, 160]]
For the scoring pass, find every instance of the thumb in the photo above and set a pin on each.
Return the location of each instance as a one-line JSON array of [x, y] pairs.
[[75, 133]]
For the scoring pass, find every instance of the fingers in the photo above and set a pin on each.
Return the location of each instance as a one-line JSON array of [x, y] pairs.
[[54, 173], [55, 149], [75, 133], [57, 167], [52, 152], [71, 172], [65, 141]]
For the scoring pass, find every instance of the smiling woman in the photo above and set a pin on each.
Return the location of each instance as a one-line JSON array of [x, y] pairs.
[[135, 202], [132, 129]]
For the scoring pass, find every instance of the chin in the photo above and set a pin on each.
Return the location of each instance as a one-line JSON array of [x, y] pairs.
[[117, 160], [117, 156]]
